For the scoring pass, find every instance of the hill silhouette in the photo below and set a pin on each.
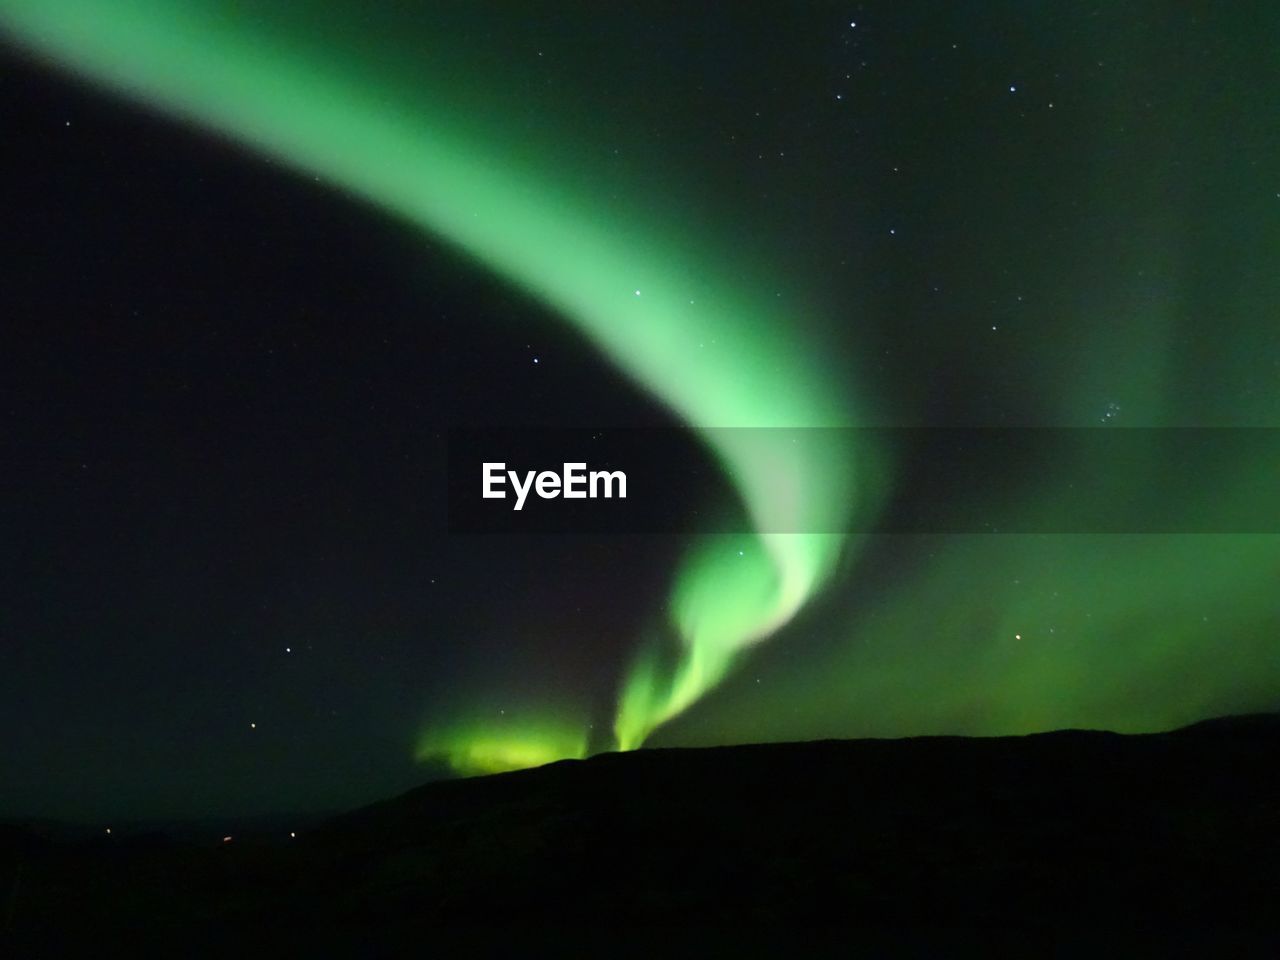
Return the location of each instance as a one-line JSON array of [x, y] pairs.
[[1067, 829]]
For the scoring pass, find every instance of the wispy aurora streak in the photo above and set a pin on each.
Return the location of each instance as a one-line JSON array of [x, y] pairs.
[[646, 300]]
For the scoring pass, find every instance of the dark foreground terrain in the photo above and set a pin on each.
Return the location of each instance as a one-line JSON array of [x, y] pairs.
[[1071, 830]]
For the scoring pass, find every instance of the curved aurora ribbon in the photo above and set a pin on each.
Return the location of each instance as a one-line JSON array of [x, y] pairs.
[[649, 305]]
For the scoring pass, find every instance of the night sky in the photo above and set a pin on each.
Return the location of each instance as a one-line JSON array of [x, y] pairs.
[[261, 258]]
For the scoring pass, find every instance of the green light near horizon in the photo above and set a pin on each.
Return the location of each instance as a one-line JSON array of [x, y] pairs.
[[482, 748]]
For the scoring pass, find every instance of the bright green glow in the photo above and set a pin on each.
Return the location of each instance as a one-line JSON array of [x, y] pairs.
[[735, 591], [731, 592], [493, 748], [649, 301]]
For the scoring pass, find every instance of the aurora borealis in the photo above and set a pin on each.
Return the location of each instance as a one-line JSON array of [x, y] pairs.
[[1024, 218], [641, 308]]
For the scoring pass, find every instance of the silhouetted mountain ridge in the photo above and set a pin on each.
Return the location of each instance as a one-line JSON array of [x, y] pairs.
[[1071, 827]]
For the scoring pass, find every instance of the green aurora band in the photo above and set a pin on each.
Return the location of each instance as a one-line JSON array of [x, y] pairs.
[[647, 303]]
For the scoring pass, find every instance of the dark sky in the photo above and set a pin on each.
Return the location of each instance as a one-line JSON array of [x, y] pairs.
[[226, 383]]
